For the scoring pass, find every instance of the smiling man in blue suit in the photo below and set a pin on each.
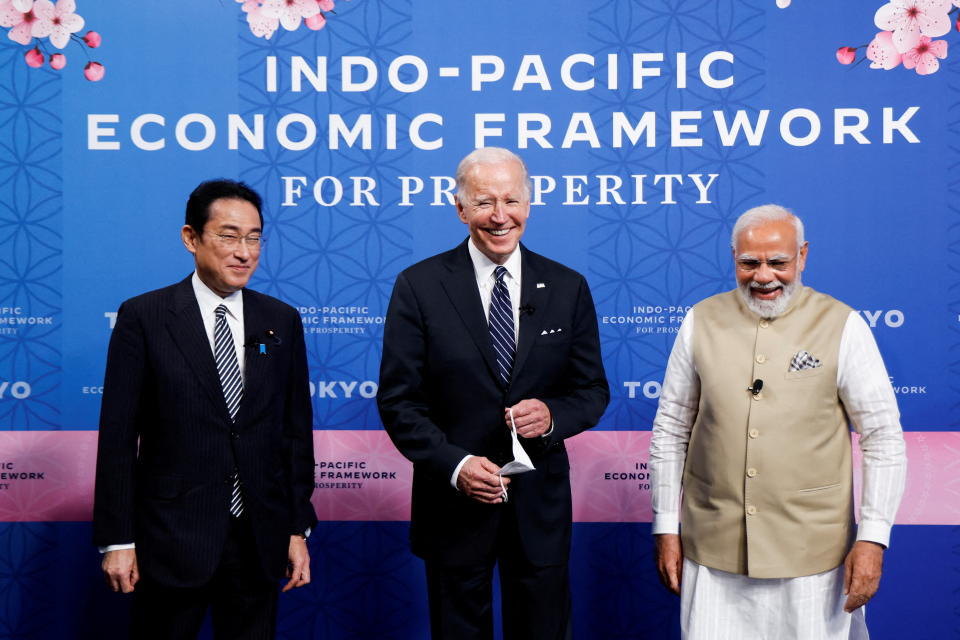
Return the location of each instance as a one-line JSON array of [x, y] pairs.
[[205, 459], [477, 339]]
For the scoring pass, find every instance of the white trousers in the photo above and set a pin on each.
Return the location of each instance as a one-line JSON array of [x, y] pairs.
[[716, 605]]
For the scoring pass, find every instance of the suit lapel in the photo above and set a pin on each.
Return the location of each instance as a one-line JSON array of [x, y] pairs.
[[460, 283], [255, 329], [532, 297], [186, 329]]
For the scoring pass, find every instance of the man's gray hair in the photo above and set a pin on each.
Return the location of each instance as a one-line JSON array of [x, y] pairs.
[[763, 214], [489, 155]]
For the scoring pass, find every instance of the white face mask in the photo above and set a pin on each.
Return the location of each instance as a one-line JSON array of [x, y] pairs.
[[521, 462], [521, 459]]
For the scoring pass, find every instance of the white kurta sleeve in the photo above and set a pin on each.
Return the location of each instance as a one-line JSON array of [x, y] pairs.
[[867, 395], [679, 400]]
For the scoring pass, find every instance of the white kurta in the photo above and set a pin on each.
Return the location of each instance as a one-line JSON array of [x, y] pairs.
[[717, 605]]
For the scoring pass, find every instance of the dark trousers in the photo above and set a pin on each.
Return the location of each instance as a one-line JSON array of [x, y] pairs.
[[241, 599], [535, 600]]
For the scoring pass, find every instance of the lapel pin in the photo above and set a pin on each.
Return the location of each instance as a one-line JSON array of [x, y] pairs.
[[541, 285]]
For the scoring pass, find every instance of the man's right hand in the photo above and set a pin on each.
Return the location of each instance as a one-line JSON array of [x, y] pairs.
[[669, 560], [120, 569], [478, 479]]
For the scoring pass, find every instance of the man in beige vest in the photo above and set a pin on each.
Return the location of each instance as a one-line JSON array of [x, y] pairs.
[[753, 424]]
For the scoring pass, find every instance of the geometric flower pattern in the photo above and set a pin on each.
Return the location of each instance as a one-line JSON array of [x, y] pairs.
[[341, 255], [30, 238], [668, 254]]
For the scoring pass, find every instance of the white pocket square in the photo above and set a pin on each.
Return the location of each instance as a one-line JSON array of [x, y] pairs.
[[549, 331], [803, 360]]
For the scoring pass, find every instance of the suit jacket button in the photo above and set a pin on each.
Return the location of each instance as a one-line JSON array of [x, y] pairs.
[[234, 435]]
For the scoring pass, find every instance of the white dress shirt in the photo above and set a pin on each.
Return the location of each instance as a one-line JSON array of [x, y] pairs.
[[868, 398], [209, 301], [483, 269]]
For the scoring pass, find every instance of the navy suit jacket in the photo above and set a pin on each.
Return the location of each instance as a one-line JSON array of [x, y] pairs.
[[167, 446], [441, 398]]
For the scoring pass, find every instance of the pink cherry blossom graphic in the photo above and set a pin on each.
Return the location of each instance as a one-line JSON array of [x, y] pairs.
[[56, 21], [924, 56], [94, 71], [290, 12], [22, 21], [92, 39], [325, 5], [882, 53], [261, 24], [316, 22], [911, 19], [846, 55], [33, 58], [58, 61]]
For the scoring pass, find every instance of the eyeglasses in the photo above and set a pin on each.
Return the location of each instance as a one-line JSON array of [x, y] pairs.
[[749, 265], [231, 241]]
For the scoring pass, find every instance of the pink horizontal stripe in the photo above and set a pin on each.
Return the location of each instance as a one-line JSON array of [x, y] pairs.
[[360, 476]]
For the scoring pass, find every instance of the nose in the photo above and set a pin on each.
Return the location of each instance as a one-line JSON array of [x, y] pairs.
[[499, 214], [242, 251], [764, 274]]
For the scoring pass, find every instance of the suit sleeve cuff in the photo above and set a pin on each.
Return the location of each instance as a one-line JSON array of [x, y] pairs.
[[117, 547], [456, 471], [874, 531], [666, 523]]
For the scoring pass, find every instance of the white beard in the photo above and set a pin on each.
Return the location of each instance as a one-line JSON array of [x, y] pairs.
[[769, 308]]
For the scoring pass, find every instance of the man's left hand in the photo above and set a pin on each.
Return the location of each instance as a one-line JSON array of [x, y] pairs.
[[532, 418], [299, 568], [861, 573]]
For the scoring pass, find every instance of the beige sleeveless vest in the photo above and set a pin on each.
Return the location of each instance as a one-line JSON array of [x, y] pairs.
[[767, 485]]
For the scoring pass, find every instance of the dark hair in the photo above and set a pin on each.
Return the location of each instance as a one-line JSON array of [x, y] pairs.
[[198, 205]]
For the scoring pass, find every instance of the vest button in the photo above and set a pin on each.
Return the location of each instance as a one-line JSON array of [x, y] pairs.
[[751, 510], [754, 433], [761, 358], [751, 472], [764, 324]]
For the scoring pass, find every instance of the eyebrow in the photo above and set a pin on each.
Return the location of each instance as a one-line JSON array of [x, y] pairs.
[[776, 257], [233, 227]]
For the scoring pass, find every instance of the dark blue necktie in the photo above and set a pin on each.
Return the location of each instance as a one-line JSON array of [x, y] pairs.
[[501, 326]]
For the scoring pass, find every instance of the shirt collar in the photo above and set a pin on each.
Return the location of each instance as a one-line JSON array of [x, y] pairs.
[[483, 266], [209, 301]]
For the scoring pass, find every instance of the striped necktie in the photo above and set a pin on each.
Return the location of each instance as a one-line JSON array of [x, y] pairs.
[[501, 325], [225, 353]]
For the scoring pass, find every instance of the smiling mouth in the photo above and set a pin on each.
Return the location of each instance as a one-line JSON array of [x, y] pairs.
[[498, 232], [766, 292]]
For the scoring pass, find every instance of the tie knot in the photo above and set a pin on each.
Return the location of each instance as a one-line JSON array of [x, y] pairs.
[[500, 272], [221, 311]]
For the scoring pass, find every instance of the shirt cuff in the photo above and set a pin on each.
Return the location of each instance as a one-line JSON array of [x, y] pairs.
[[117, 547], [456, 472], [666, 523], [874, 531]]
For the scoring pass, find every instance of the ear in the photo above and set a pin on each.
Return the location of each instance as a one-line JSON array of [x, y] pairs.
[[460, 212], [189, 237], [802, 258]]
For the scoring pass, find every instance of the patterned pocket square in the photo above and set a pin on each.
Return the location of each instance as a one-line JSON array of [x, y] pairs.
[[803, 360]]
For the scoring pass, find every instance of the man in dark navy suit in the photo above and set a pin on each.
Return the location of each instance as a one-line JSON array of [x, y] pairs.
[[205, 460], [479, 339]]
